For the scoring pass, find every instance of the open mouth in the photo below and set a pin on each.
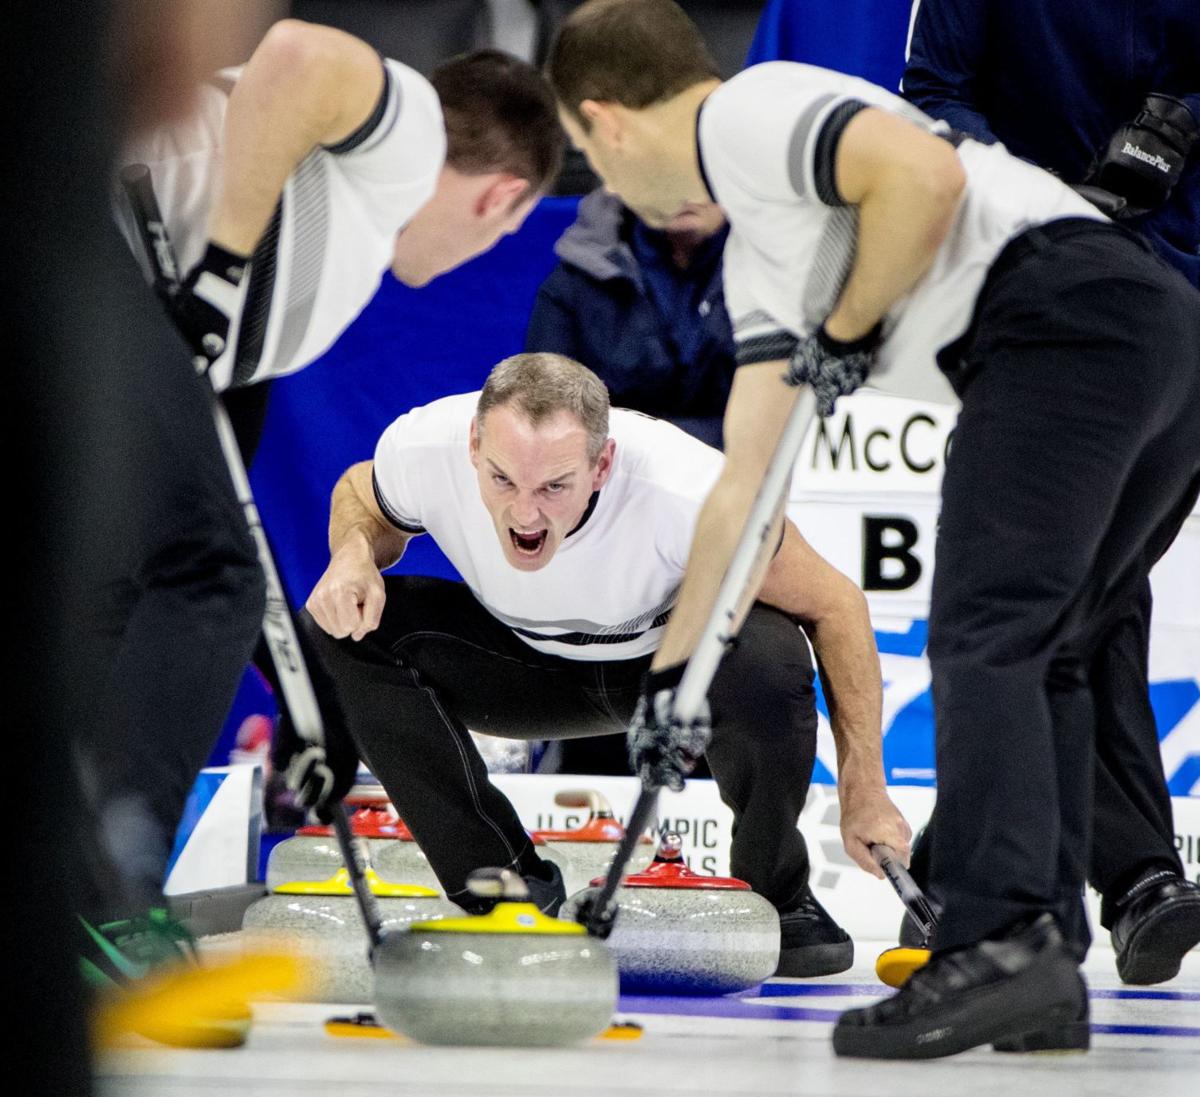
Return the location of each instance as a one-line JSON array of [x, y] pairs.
[[528, 544]]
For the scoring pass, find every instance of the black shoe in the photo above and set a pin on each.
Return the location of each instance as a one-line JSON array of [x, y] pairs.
[[991, 992], [547, 892], [1073, 1035], [811, 943], [1158, 921]]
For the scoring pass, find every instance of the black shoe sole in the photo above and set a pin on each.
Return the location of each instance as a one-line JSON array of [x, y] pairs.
[[1073, 1036], [809, 961], [1156, 948], [1047, 997]]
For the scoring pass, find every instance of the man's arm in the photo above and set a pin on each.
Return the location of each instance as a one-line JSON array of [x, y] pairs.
[[348, 599], [305, 85], [906, 184], [834, 614], [945, 53]]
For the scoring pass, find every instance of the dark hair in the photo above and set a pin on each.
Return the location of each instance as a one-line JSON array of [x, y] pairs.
[[500, 116], [632, 52], [541, 384]]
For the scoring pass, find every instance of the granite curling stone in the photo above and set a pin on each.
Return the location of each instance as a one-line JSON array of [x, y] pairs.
[[313, 853], [319, 922], [586, 851], [510, 978], [678, 932]]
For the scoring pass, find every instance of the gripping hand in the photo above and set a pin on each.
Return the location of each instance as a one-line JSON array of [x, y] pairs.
[[663, 749], [832, 367]]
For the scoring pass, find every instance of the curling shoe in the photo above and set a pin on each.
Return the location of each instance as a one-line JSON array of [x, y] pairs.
[[995, 991], [122, 960], [811, 943], [546, 891], [1158, 921]]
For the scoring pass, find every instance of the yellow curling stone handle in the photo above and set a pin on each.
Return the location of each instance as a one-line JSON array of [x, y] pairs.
[[507, 917], [339, 884]]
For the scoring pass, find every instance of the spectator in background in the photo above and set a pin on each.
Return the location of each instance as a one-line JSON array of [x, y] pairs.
[[860, 37], [1056, 83], [643, 309]]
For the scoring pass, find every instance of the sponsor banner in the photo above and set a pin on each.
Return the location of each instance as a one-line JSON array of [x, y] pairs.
[[865, 906], [865, 495]]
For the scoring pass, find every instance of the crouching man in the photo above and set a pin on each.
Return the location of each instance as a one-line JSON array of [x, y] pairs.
[[570, 526]]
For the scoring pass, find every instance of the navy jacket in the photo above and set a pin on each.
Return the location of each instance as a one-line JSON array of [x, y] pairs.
[[1054, 79], [596, 307]]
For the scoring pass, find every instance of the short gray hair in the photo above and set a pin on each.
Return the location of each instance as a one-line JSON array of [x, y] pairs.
[[540, 385]]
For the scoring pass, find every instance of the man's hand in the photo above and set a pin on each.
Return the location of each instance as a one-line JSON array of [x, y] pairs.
[[204, 305], [869, 817], [348, 599], [662, 750], [318, 776], [833, 368]]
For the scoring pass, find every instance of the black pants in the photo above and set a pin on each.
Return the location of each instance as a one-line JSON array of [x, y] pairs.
[[174, 609], [1075, 461], [440, 663], [1132, 824]]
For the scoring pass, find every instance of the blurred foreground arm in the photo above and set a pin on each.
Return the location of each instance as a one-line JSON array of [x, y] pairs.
[[305, 86]]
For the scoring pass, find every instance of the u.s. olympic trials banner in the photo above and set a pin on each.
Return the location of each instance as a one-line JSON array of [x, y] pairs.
[[865, 495]]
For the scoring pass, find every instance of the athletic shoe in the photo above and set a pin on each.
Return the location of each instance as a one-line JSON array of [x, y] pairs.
[[1158, 921], [118, 959], [114, 953], [995, 991], [811, 943], [547, 893]]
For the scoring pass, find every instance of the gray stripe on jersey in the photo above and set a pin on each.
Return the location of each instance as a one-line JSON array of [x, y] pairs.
[[798, 144], [309, 232], [592, 629], [832, 260]]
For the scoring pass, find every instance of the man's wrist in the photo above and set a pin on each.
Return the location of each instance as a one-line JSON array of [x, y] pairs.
[[861, 776], [663, 678], [841, 340]]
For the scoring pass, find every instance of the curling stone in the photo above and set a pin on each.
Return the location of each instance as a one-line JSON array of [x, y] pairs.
[[313, 853], [319, 922], [586, 852], [509, 978], [678, 932]]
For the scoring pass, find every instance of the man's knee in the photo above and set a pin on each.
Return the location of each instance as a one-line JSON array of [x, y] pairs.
[[765, 684]]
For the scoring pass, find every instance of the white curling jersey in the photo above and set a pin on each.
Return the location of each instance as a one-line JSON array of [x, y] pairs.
[[333, 232], [607, 592], [767, 143]]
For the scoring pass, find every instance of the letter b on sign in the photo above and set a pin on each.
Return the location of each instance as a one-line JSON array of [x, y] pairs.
[[888, 561]]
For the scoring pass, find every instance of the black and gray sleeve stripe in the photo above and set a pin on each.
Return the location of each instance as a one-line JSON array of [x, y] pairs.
[[759, 338], [812, 151], [386, 108], [405, 525]]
